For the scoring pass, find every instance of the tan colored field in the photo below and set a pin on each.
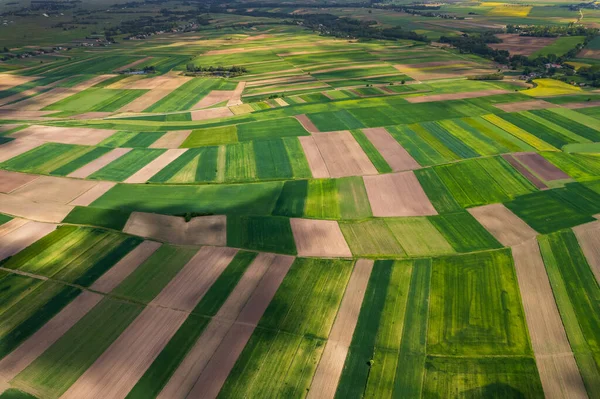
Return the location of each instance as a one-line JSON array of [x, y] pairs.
[[322, 238], [72, 135], [127, 265], [42, 100], [171, 139], [50, 332], [525, 105], [54, 190], [280, 80], [155, 166], [11, 225], [524, 171], [393, 153], [93, 194], [456, 96], [222, 361], [26, 115], [450, 71], [213, 98], [16, 205], [8, 80], [589, 53], [163, 82], [92, 115], [503, 224], [211, 113], [202, 230], [17, 147], [188, 287], [586, 104], [10, 181], [236, 98], [546, 330], [343, 155], [307, 124], [99, 163], [23, 94], [118, 369], [313, 157], [521, 45], [281, 102], [22, 236], [329, 370], [397, 194], [133, 64], [145, 100], [264, 268], [588, 236], [540, 166]]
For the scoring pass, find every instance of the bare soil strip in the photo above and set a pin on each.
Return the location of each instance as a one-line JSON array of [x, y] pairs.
[[73, 135], [280, 80], [51, 189], [588, 236], [397, 194], [343, 155], [11, 226], [525, 172], [188, 287], [17, 147], [522, 45], [22, 237], [145, 100], [18, 96], [92, 82], [393, 153], [313, 157], [211, 113], [40, 101], [144, 174], [541, 166], [39, 342], [99, 163], [9, 80], [525, 105], [329, 370], [214, 97], [16, 205], [164, 82], [236, 98], [171, 139], [26, 115], [118, 369], [93, 194], [322, 238], [222, 361], [92, 115], [586, 104], [116, 274], [191, 367], [558, 372], [281, 102], [456, 96], [202, 230], [132, 64], [10, 181], [507, 227], [307, 124]]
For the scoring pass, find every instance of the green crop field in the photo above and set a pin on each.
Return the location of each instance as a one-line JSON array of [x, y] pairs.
[[450, 252]]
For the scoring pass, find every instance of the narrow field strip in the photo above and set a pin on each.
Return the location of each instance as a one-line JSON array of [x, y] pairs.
[[208, 363], [533, 179], [53, 190], [155, 166], [394, 154], [503, 224], [319, 238], [541, 167], [588, 236], [23, 236], [10, 181], [455, 96], [93, 194], [343, 155], [74, 135], [558, 371], [17, 147], [314, 158], [42, 212], [172, 139], [331, 364], [99, 163]]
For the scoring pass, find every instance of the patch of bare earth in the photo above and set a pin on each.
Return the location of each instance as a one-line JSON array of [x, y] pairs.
[[226, 340], [329, 370], [236, 98], [26, 115], [393, 153], [540, 166], [397, 194], [17, 147], [133, 64], [586, 104], [521, 45], [558, 371], [213, 98], [23, 236], [23, 94], [10, 181], [70, 135], [322, 238], [155, 166], [11, 225], [588, 236], [8, 80], [307, 124], [202, 230], [343, 155], [54, 190], [16, 205], [99, 163], [507, 227], [456, 96], [286, 79], [93, 194], [171, 139], [525, 172], [525, 105], [42, 100], [211, 113], [281, 102], [314, 157], [186, 289]]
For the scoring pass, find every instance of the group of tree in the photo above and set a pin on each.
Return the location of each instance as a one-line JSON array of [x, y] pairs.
[[551, 30], [216, 71]]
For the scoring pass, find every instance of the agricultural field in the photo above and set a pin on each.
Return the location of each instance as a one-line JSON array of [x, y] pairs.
[[299, 200]]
